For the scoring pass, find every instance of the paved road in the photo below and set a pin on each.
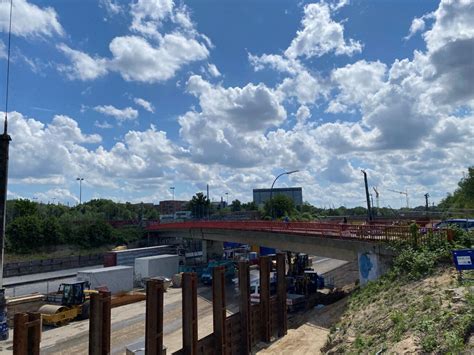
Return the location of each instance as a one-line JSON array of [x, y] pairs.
[[42, 282]]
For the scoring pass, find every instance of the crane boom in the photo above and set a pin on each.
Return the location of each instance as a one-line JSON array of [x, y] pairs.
[[402, 193]]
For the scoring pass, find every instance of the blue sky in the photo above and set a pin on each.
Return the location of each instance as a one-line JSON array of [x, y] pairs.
[[140, 96]]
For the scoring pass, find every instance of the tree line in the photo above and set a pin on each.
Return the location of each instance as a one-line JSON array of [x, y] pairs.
[[31, 225]]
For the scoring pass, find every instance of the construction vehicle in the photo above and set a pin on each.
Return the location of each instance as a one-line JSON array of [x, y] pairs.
[[70, 302]]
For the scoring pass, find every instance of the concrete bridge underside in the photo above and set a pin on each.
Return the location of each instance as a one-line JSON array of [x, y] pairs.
[[329, 247]]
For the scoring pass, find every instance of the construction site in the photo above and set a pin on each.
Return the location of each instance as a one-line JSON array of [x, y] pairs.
[[233, 305]]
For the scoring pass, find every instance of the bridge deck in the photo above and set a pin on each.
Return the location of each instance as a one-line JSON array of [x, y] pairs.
[[368, 233]]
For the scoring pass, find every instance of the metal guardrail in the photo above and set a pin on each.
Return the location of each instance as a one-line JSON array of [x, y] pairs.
[[374, 233]]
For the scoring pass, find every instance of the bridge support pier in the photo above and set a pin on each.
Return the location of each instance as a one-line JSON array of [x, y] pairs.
[[372, 265], [211, 249]]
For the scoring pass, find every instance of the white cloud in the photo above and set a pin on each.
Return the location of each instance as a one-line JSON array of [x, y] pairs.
[[212, 69], [120, 115], [320, 35], [303, 114], [84, 67], [111, 7], [147, 15], [417, 25], [30, 20], [137, 60], [357, 83], [144, 104], [229, 128], [103, 125]]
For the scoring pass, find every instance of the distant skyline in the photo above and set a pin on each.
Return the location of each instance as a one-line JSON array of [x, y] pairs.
[[140, 96]]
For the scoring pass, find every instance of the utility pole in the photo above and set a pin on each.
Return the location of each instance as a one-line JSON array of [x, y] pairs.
[[427, 195], [367, 197], [4, 155]]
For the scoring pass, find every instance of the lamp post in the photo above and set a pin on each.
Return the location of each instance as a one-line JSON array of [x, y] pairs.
[[80, 188], [271, 189], [227, 198]]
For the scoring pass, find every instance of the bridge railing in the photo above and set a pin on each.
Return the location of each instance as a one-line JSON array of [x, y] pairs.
[[321, 229]]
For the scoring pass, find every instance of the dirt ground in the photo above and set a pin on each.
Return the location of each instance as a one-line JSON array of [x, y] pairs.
[[310, 331]]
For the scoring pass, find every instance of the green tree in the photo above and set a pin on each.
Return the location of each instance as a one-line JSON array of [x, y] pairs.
[[236, 206], [280, 205], [51, 231], [24, 234], [463, 196], [250, 206], [199, 205]]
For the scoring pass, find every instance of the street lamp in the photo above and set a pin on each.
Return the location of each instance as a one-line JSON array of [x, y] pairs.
[[172, 189], [80, 188], [271, 189], [227, 197]]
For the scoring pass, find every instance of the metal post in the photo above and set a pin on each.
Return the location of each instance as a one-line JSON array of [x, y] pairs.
[[281, 294], [106, 321], [4, 155], [154, 317], [219, 309], [20, 334], [95, 325], [273, 184], [265, 297], [244, 306], [190, 331], [34, 333]]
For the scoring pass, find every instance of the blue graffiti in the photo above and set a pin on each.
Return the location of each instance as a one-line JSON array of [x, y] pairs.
[[365, 265]]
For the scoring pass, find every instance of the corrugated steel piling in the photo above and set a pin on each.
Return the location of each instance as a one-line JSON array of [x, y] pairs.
[[190, 320], [154, 317]]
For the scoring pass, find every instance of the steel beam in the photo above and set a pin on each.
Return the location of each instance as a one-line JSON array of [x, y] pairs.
[[154, 317], [190, 321], [219, 308], [265, 297], [281, 295], [244, 307]]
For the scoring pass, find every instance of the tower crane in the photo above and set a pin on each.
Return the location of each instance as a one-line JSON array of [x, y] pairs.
[[402, 193]]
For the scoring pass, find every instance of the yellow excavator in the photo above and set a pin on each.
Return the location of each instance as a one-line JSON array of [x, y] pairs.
[[70, 302]]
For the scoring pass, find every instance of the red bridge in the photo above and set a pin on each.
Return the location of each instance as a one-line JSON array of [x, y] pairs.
[[368, 233]]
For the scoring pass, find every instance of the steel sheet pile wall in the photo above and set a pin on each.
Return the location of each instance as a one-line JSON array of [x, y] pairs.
[[117, 278], [158, 265]]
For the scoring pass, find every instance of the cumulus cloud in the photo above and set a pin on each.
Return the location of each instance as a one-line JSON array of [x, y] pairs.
[[30, 20], [228, 128], [83, 67], [356, 82], [120, 115], [147, 55], [320, 35], [136, 59], [144, 104]]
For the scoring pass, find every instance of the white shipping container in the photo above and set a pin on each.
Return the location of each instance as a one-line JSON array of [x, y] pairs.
[[158, 265], [117, 279]]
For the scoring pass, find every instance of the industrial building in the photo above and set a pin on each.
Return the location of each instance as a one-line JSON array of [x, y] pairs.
[[170, 207], [260, 196]]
